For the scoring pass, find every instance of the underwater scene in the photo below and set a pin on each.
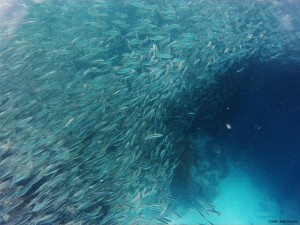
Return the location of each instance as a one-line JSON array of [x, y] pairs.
[[149, 112]]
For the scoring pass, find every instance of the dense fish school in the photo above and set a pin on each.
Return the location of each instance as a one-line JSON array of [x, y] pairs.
[[96, 96]]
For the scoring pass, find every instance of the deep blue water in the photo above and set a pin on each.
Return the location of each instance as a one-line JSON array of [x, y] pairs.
[[263, 112], [265, 136]]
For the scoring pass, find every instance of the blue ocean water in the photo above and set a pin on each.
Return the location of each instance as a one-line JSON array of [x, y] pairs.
[[258, 130], [265, 133]]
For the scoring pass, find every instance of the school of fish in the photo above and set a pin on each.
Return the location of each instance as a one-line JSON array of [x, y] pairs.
[[96, 97]]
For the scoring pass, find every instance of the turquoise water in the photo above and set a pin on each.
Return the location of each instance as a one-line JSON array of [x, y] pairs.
[[149, 112]]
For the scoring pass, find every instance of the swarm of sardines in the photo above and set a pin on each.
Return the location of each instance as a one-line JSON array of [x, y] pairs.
[[96, 97]]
